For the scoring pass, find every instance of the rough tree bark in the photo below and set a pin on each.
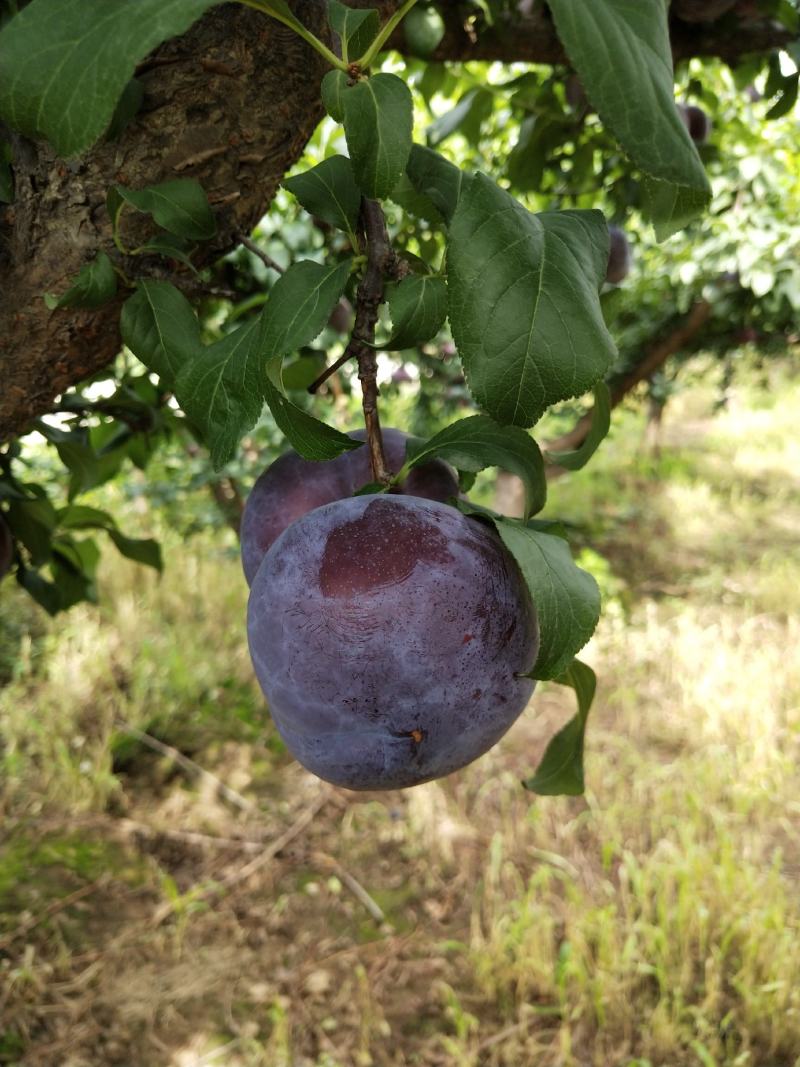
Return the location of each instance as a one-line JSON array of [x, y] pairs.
[[232, 103]]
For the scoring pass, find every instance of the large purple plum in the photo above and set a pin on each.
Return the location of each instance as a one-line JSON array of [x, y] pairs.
[[389, 634], [293, 486]]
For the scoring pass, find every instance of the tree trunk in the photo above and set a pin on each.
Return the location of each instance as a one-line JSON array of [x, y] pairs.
[[232, 103]]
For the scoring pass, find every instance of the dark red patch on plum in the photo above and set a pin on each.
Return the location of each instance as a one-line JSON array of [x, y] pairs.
[[381, 547]]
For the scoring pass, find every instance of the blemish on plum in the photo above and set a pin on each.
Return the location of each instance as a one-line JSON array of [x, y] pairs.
[[379, 548]]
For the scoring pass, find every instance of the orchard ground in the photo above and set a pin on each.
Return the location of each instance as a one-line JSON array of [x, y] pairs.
[[654, 922]]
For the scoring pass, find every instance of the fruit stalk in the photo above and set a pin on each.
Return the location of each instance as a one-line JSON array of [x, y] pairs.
[[380, 260]]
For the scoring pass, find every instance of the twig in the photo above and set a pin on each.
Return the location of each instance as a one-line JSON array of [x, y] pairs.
[[380, 261], [265, 258], [190, 837], [265, 855], [355, 887], [53, 909], [329, 371], [188, 765]]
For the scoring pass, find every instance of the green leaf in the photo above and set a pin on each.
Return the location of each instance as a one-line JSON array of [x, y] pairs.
[[418, 307], [601, 423], [356, 28], [307, 435], [477, 442], [621, 52], [126, 110], [143, 550], [45, 593], [524, 302], [160, 328], [303, 371], [329, 191], [95, 285], [221, 390], [560, 772], [169, 246], [436, 178], [179, 206], [300, 304], [32, 523], [566, 598], [466, 117], [80, 516], [334, 86], [671, 207], [417, 204], [65, 63], [378, 120]]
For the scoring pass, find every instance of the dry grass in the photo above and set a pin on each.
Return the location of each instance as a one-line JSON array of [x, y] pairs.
[[653, 923]]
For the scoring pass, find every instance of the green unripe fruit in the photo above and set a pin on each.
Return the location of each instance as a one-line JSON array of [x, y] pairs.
[[424, 29]]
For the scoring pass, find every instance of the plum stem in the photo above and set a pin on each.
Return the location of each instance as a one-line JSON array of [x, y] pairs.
[[369, 296]]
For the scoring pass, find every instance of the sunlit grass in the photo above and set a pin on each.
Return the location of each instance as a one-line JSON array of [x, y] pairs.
[[653, 923]]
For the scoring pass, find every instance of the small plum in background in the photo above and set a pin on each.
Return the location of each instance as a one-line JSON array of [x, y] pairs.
[[619, 256], [6, 548], [293, 486], [696, 122], [389, 635]]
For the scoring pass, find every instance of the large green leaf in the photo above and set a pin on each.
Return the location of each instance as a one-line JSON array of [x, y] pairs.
[[621, 51], [418, 307], [221, 389], [670, 207], [524, 302], [329, 191], [577, 458], [477, 442], [313, 439], [65, 63], [299, 305], [180, 206], [566, 598], [160, 328], [357, 28], [94, 286], [436, 178], [378, 119], [560, 772]]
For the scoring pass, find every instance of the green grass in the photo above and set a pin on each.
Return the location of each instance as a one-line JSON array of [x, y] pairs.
[[653, 923]]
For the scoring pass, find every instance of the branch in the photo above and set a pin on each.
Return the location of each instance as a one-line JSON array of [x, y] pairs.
[[655, 357], [369, 296]]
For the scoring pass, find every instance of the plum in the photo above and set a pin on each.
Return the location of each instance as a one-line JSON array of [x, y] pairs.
[[696, 122], [619, 256], [292, 486], [389, 635], [6, 548]]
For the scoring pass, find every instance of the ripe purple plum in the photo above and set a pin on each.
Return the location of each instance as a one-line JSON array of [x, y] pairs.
[[389, 635], [292, 486], [619, 256], [6, 548]]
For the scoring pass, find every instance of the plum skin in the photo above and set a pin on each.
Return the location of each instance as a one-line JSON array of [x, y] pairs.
[[292, 486], [388, 634], [619, 256]]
